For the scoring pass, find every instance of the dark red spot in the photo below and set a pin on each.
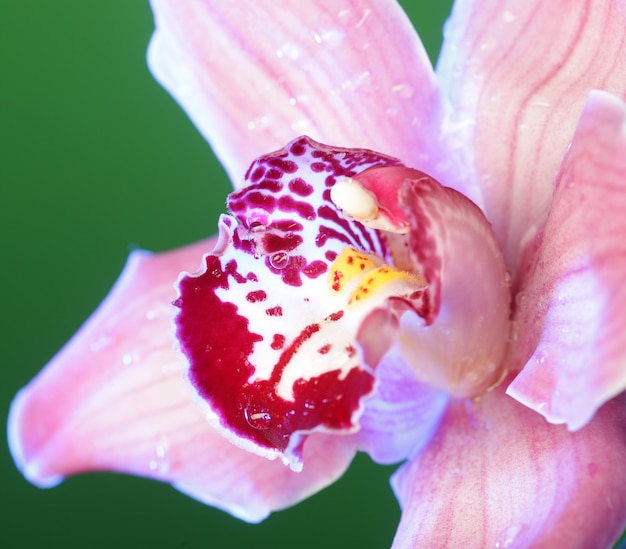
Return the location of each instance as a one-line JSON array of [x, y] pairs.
[[300, 187], [297, 148], [315, 269], [330, 255], [254, 199], [231, 269], [278, 342], [286, 225], [274, 311], [286, 166], [256, 296], [336, 284], [333, 317], [288, 203], [273, 243], [325, 349], [257, 174], [269, 185]]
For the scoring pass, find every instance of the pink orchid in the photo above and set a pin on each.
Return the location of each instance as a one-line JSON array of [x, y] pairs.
[[482, 336]]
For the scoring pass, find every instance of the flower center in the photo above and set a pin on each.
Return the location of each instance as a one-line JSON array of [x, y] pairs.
[[284, 325]]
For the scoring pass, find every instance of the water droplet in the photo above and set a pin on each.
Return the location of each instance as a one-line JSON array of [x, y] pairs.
[[100, 343], [364, 18], [507, 537], [258, 417], [127, 359], [540, 358], [329, 38], [403, 90], [508, 16], [343, 14], [160, 464], [279, 260], [290, 51]]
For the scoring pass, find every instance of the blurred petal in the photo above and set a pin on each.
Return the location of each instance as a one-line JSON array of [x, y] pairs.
[[115, 398], [573, 314], [252, 76], [496, 474], [519, 72], [403, 414]]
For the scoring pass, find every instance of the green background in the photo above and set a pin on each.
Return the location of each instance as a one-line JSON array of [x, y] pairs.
[[96, 159]]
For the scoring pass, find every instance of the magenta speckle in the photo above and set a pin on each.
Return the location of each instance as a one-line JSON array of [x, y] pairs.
[[288, 203], [300, 187], [278, 342], [334, 317], [274, 311], [256, 296], [257, 174], [286, 166], [315, 269], [298, 148], [273, 243], [324, 350]]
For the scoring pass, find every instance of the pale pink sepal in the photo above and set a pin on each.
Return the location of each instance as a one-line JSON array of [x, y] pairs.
[[572, 315], [252, 76], [114, 398], [401, 417], [496, 474], [518, 73]]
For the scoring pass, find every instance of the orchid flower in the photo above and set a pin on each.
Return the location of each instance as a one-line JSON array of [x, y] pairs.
[[425, 266]]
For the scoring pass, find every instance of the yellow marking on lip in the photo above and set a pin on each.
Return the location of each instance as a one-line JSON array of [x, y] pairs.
[[348, 265], [377, 280], [370, 274]]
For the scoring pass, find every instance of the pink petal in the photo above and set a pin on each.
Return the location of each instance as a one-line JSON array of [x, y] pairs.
[[497, 475], [115, 399], [252, 76], [402, 416], [573, 314], [518, 73]]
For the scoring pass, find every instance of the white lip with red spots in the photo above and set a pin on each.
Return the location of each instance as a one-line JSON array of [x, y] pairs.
[[274, 345]]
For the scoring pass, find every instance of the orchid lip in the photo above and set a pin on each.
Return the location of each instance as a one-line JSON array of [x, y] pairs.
[[308, 296]]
